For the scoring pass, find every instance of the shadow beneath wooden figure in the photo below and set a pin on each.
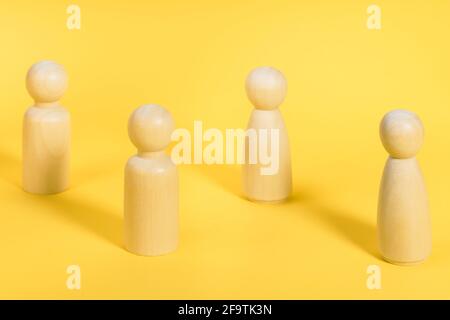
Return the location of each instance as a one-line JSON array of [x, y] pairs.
[[10, 168], [95, 171], [357, 231], [299, 195], [84, 213], [226, 176]]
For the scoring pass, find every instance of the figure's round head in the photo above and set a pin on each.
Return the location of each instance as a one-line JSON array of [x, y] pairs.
[[401, 133], [46, 81], [266, 88], [150, 127]]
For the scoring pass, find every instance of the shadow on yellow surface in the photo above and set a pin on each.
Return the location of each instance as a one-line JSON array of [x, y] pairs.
[[344, 222], [9, 168], [84, 213], [87, 214], [226, 176], [96, 170]]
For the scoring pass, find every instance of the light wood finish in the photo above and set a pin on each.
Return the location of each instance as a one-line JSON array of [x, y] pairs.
[[46, 131], [151, 185], [404, 228], [266, 89]]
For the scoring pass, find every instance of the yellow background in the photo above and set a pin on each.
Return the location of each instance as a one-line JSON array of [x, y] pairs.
[[192, 57]]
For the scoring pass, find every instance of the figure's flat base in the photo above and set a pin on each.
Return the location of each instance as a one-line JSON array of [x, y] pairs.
[[142, 254], [45, 193], [404, 264], [268, 201]]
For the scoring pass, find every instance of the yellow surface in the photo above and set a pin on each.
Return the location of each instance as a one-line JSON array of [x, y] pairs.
[[192, 57]]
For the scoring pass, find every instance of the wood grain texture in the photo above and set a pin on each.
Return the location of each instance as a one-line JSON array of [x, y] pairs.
[[151, 185], [46, 150], [404, 228], [268, 188], [266, 89], [46, 131]]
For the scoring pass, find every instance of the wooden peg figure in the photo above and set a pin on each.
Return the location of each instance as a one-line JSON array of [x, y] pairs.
[[151, 185], [404, 229], [266, 89], [46, 131]]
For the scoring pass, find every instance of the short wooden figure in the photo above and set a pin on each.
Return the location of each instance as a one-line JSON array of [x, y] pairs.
[[404, 229], [46, 131], [266, 89], [151, 185]]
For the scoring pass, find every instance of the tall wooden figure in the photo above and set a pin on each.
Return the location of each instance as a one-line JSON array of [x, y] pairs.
[[404, 229], [266, 89], [151, 185], [46, 131]]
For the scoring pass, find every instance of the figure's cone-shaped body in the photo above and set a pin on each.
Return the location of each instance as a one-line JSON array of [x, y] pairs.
[[404, 228], [267, 182], [46, 131], [151, 185]]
